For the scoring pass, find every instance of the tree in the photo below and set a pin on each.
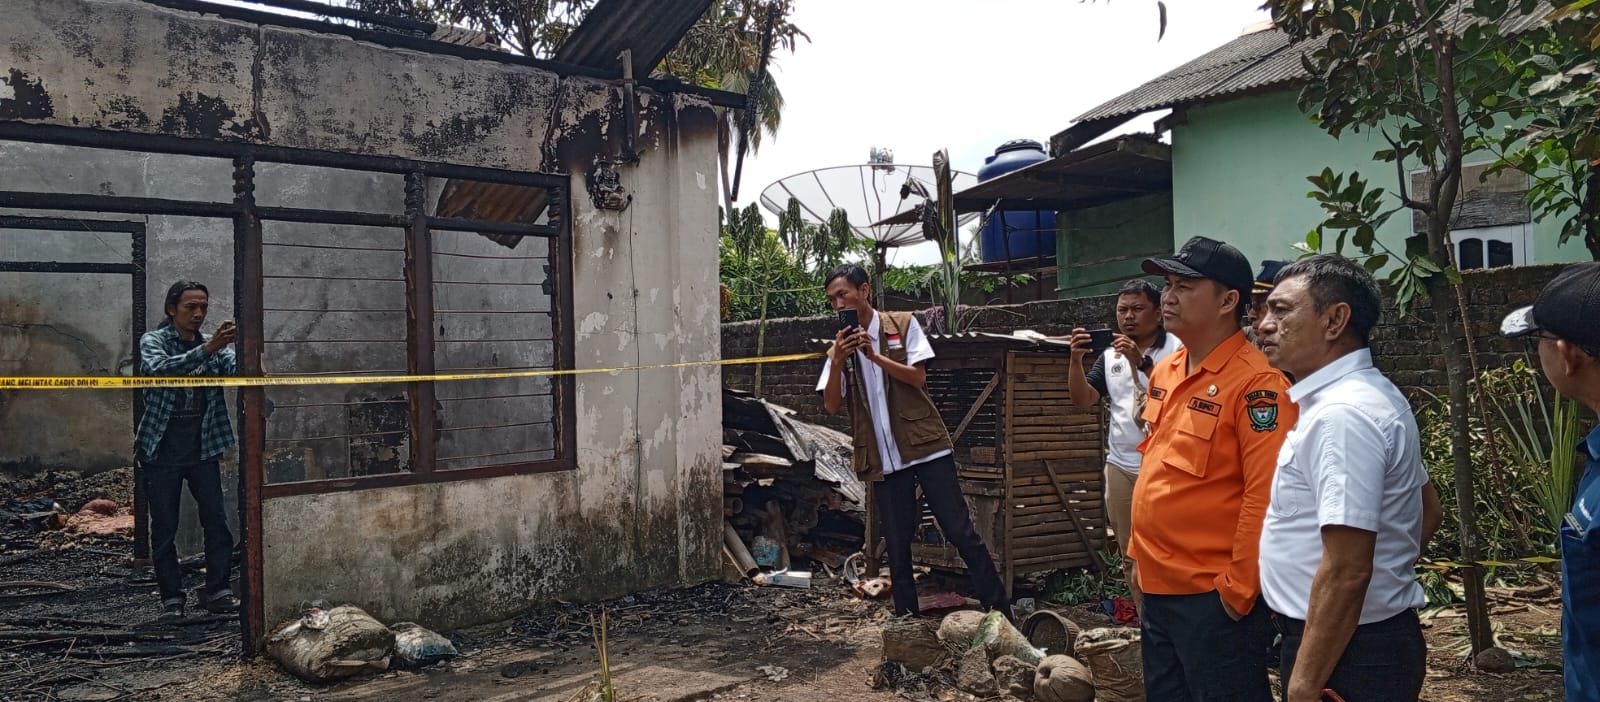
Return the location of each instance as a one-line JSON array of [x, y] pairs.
[[724, 50], [822, 246], [936, 211], [1558, 95], [763, 279], [1425, 75], [529, 27]]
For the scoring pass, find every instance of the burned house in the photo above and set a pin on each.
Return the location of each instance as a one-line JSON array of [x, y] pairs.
[[364, 199]]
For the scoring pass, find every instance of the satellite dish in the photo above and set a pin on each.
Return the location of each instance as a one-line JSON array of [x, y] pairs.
[[868, 193]]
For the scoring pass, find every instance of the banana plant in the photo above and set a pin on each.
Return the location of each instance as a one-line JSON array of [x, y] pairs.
[[938, 216]]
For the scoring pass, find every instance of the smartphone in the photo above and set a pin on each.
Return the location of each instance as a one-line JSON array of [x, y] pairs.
[[1100, 339], [849, 319]]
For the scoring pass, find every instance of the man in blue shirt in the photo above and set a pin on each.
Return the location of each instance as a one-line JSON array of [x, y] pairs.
[[1566, 320]]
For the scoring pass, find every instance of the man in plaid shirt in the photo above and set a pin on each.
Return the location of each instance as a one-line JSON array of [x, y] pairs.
[[182, 433]]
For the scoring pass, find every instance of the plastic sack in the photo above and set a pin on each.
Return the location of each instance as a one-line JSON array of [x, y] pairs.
[[1114, 656], [330, 644], [416, 647]]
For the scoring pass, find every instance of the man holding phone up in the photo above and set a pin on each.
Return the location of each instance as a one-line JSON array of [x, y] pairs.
[[182, 433], [876, 368], [1121, 374]]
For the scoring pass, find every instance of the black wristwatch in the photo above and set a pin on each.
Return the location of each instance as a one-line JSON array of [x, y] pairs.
[[1147, 364]]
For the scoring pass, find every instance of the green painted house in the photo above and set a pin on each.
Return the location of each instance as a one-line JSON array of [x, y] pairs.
[[1240, 152]]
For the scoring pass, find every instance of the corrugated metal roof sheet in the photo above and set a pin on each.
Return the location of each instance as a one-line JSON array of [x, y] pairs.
[[496, 202], [1117, 169], [1251, 63], [650, 27], [461, 36]]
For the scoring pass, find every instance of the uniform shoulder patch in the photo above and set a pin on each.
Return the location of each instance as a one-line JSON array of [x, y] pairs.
[[1263, 408], [1158, 393]]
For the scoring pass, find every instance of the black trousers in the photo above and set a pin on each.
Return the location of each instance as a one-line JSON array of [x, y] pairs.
[[1385, 661], [163, 487], [898, 515], [1195, 652]]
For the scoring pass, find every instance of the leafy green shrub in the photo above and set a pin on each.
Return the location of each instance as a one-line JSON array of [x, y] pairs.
[[1526, 467]]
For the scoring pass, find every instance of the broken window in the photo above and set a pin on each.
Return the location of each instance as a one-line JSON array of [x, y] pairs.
[[71, 303], [365, 267], [465, 285], [334, 305], [493, 312]]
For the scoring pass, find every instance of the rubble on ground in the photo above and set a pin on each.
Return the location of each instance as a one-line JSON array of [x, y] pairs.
[[67, 508], [71, 489], [789, 494], [983, 655]]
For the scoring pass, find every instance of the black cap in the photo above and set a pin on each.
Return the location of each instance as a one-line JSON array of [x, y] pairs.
[[1201, 257], [1567, 307], [1267, 278]]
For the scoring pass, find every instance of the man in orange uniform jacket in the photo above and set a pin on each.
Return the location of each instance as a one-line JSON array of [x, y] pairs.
[[1218, 413]]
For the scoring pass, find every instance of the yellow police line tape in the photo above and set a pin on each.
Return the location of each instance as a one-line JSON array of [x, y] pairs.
[[1453, 565], [142, 382], [101, 382]]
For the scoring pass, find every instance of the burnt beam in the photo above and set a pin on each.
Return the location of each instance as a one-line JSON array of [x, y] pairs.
[[115, 203], [131, 141], [419, 324], [249, 301]]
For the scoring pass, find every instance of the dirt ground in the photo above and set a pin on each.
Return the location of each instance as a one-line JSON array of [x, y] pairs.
[[712, 642], [717, 641]]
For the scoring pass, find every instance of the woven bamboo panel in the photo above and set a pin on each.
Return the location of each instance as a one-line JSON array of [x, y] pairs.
[[1026, 424]]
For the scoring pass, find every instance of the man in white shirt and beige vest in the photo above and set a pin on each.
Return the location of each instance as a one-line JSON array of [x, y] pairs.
[[899, 440], [1121, 375], [1352, 506]]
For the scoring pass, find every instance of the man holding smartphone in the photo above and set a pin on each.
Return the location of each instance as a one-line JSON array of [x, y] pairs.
[[182, 433], [876, 368], [1121, 375]]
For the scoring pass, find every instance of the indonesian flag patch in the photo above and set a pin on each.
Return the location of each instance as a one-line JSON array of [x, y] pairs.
[[894, 342]]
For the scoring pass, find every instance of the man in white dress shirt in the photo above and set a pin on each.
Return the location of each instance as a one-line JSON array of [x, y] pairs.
[[1351, 503]]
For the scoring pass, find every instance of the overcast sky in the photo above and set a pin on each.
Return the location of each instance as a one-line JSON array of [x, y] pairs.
[[915, 76], [918, 75]]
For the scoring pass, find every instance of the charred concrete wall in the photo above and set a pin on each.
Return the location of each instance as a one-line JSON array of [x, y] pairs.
[[81, 324], [71, 323], [640, 508]]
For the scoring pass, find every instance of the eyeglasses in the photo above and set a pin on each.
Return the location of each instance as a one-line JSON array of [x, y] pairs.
[[1533, 338]]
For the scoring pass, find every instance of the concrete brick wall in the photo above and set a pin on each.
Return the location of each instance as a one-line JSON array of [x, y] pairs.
[[1407, 349], [641, 508], [1405, 346]]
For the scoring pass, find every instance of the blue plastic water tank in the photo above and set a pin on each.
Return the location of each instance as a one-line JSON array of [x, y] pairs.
[[1031, 233]]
